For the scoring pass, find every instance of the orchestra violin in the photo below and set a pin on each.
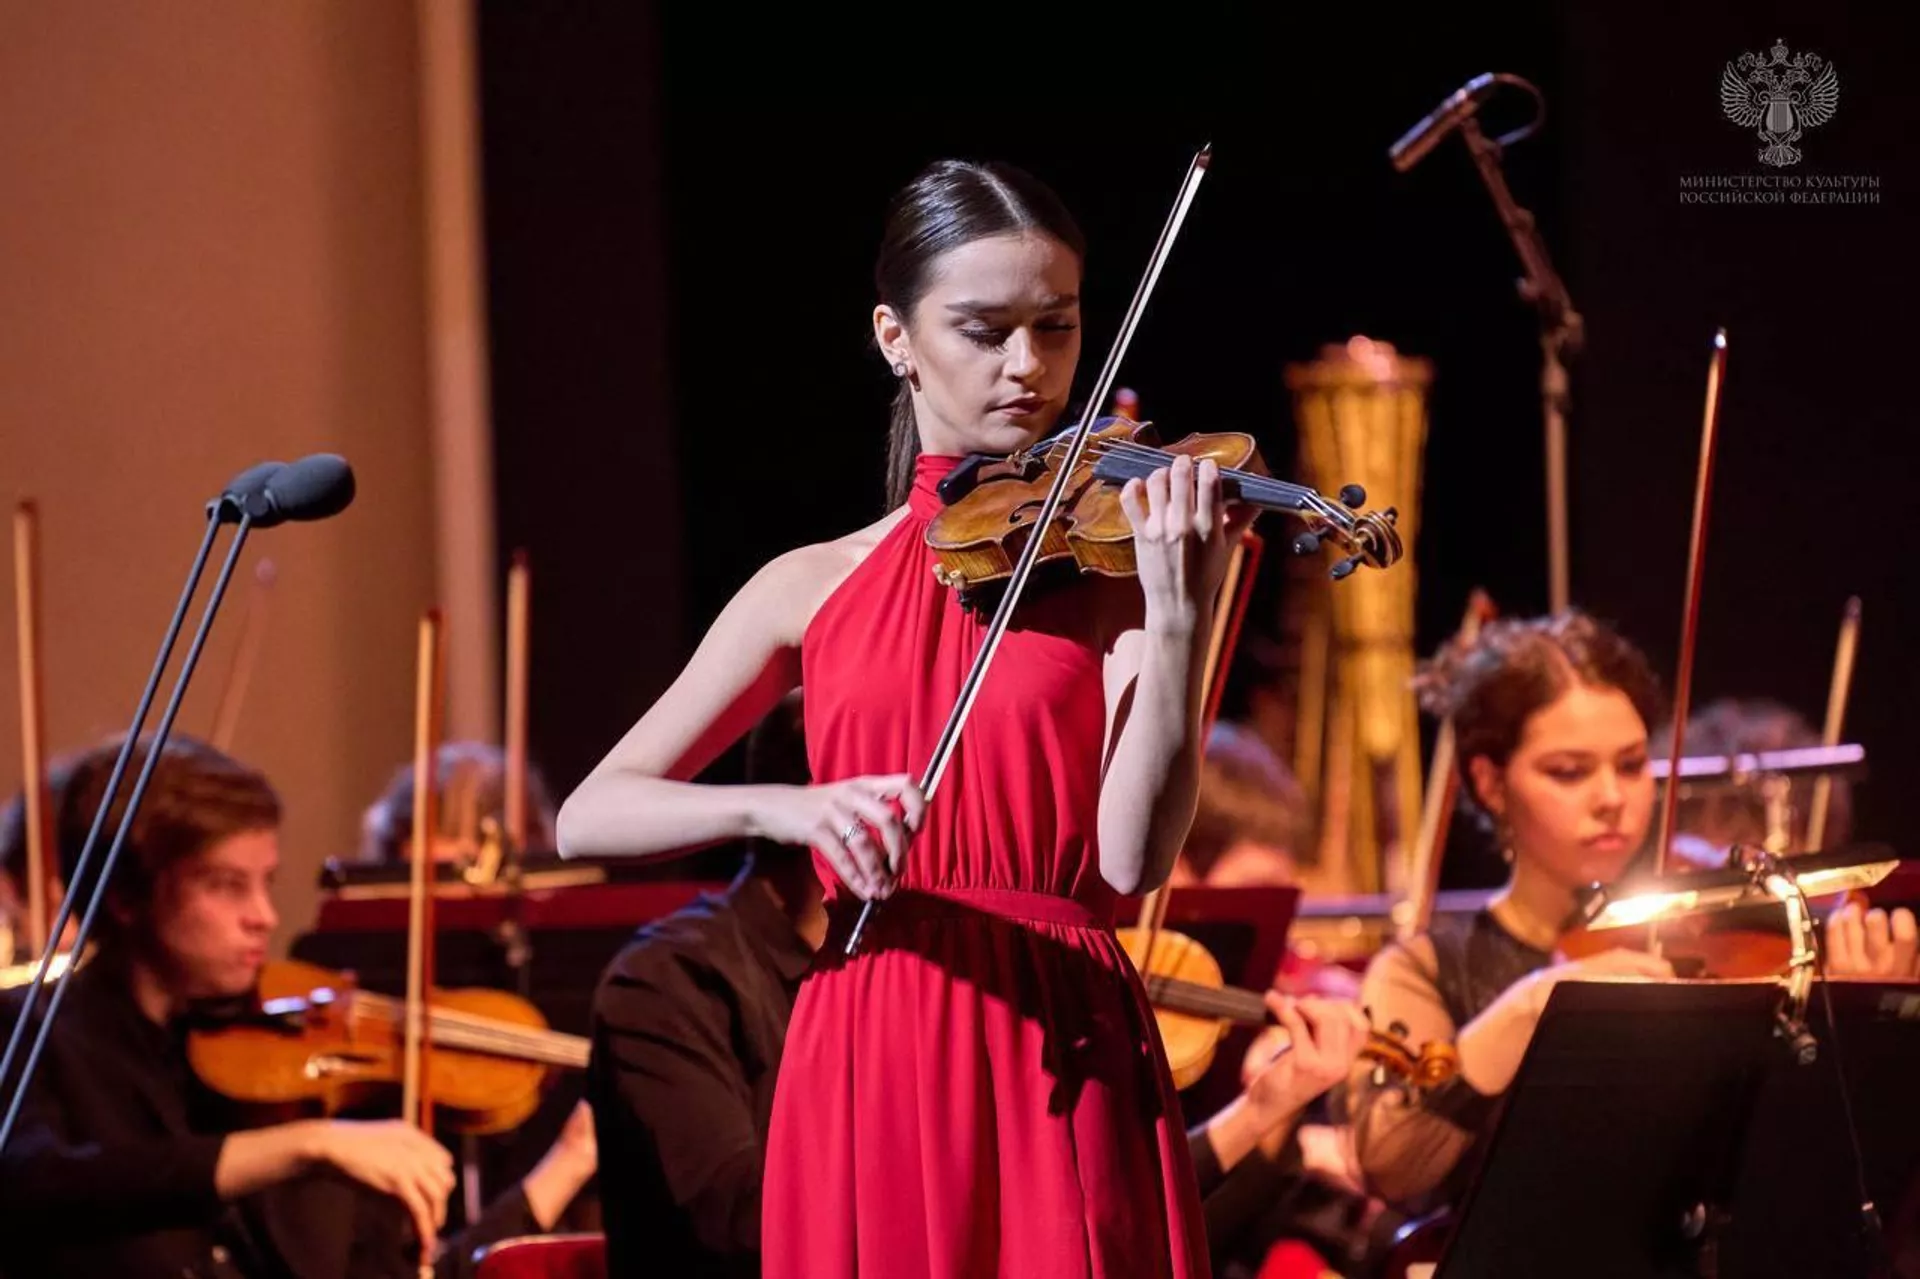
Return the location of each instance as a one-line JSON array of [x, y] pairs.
[[313, 1042]]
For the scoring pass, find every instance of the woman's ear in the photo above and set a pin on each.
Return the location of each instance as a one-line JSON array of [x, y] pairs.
[[1489, 785], [890, 335]]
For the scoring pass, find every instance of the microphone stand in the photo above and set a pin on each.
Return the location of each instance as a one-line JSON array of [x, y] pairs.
[[215, 512], [1562, 332]]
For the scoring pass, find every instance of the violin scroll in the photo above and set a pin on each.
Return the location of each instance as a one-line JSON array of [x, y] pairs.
[[1394, 1058], [1375, 541]]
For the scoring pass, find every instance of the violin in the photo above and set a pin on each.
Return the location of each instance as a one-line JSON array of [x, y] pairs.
[[1195, 1009], [1704, 947], [993, 504], [314, 1041], [1743, 943]]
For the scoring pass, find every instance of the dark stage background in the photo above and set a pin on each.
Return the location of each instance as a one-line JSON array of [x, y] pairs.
[[682, 204]]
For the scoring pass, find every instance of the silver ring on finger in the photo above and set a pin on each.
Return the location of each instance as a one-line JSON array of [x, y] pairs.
[[846, 836]]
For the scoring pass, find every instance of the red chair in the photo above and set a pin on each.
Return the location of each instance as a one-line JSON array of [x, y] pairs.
[[581, 1256], [1291, 1259]]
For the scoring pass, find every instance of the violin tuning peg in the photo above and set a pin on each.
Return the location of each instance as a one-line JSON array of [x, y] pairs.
[[1353, 497], [1306, 544], [1344, 569]]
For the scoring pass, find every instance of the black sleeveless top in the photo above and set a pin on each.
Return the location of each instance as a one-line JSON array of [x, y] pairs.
[[1478, 962]]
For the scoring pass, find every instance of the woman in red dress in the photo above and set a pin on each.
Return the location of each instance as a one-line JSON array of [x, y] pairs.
[[980, 1090]]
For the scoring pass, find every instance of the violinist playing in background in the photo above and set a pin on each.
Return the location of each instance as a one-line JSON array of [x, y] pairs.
[[120, 1165], [471, 782], [471, 779], [1714, 816], [1551, 720], [979, 1087]]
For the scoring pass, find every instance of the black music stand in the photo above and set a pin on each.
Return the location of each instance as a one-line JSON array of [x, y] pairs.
[[1664, 1130]]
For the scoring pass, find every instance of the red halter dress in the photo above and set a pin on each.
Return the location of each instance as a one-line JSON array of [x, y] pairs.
[[981, 1091]]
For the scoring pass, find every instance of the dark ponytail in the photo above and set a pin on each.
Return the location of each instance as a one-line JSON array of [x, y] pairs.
[[951, 203], [903, 445]]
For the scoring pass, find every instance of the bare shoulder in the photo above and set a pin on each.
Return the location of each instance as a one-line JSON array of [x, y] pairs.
[[747, 660], [792, 586]]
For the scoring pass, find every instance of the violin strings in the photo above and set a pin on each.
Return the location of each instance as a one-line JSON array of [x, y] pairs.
[[1205, 1001], [1123, 448], [470, 1030], [1250, 483]]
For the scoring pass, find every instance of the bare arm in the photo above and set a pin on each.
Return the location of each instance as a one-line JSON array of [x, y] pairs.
[[1323, 1037], [1182, 534], [1407, 1142], [1152, 782], [1404, 1146], [567, 1167], [637, 801]]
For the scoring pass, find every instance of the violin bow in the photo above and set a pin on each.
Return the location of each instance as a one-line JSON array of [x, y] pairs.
[[1836, 713], [37, 807], [1030, 553], [519, 614], [1690, 613], [1443, 784], [416, 1095], [510, 849]]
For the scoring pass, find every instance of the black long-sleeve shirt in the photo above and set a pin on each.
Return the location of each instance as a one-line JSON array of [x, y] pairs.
[[110, 1171], [688, 1024]]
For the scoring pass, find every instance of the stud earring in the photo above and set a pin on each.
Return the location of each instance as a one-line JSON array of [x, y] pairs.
[[900, 368]]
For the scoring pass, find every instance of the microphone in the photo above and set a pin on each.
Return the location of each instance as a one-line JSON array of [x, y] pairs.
[[243, 488], [1444, 119], [314, 488]]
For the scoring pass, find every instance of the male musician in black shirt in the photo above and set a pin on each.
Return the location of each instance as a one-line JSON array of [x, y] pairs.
[[120, 1165]]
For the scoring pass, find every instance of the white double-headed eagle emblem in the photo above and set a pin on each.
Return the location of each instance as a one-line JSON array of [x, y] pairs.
[[1779, 97]]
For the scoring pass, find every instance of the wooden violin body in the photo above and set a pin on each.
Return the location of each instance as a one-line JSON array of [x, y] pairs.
[[1706, 947], [1742, 942], [316, 1043], [993, 505], [1192, 1004], [1195, 1008], [979, 536]]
